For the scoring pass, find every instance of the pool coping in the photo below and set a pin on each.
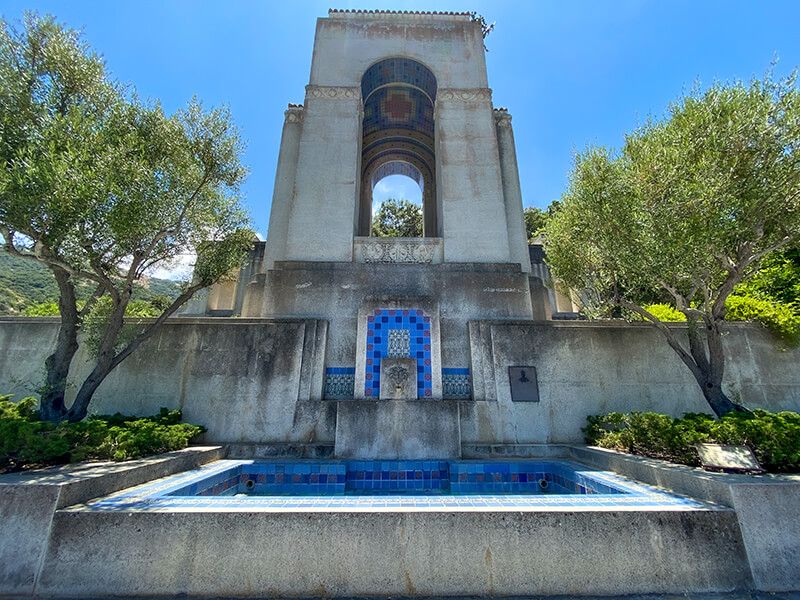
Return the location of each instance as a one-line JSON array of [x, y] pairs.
[[155, 496]]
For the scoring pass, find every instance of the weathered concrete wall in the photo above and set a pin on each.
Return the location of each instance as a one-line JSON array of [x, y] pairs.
[[427, 554], [256, 380], [464, 292], [260, 380], [397, 429], [591, 368]]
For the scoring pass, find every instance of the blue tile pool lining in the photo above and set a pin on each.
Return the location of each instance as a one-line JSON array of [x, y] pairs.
[[326, 483]]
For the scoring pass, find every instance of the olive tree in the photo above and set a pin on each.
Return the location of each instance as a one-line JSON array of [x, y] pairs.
[[684, 211], [100, 186]]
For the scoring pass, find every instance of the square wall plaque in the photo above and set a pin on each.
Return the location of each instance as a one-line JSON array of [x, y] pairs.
[[524, 387]]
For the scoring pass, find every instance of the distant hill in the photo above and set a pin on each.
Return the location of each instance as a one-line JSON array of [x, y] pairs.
[[24, 283]]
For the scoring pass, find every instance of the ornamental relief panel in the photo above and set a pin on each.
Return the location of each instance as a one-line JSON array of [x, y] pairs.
[[333, 92], [398, 252], [465, 95]]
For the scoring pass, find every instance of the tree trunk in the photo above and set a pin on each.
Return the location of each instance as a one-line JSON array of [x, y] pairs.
[[52, 405], [80, 407], [709, 355], [716, 398], [105, 360]]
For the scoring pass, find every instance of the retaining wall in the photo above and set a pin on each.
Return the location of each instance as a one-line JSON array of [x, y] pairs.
[[261, 380]]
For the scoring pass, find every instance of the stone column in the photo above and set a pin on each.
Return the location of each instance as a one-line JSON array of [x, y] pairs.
[[282, 195], [322, 215], [515, 220], [469, 181]]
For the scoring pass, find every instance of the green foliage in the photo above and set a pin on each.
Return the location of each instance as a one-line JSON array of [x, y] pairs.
[[689, 204], [100, 186], [45, 309], [777, 280], [536, 219], [397, 218], [26, 442], [685, 210], [141, 309], [28, 288], [781, 318], [773, 437], [665, 312]]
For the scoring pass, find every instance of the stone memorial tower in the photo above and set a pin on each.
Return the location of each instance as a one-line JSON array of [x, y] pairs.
[[396, 93]]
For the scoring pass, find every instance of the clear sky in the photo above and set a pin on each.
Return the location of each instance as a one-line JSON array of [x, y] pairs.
[[570, 72]]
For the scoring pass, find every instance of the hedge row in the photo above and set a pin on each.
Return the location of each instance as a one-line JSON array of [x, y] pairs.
[[773, 437], [27, 442]]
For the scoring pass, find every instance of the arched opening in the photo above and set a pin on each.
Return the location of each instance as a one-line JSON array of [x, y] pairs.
[[397, 201], [398, 134]]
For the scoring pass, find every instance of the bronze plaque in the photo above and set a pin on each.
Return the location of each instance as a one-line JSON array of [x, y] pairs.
[[727, 458], [524, 387]]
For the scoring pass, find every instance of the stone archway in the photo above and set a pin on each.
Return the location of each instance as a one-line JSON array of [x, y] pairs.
[[398, 134]]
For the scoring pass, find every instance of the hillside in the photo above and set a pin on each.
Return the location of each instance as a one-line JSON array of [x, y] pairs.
[[24, 283]]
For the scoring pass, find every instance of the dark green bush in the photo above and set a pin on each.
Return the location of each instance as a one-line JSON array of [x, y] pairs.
[[26, 442], [773, 437]]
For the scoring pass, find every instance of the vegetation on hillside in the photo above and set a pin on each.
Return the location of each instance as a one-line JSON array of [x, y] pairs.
[[26, 285]]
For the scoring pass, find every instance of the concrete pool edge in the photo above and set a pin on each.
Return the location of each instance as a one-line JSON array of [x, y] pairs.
[[33, 542], [28, 501], [413, 554]]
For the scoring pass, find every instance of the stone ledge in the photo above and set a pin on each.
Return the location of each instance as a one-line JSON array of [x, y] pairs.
[[83, 481], [279, 450]]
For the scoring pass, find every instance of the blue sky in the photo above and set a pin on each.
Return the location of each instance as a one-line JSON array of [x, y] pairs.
[[570, 73]]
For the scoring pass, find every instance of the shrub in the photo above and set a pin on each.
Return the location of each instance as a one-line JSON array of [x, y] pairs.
[[773, 437], [665, 312], [781, 318], [26, 442]]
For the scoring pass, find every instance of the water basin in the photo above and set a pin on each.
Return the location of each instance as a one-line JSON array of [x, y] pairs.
[[457, 485]]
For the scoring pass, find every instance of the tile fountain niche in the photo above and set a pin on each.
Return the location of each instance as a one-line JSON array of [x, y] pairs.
[[398, 411]]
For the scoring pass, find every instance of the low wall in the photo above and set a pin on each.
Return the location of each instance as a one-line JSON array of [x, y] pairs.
[[408, 554], [586, 368], [29, 500], [245, 380], [261, 380]]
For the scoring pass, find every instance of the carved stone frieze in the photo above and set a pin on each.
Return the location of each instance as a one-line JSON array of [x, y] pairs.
[[333, 92], [464, 95], [397, 252]]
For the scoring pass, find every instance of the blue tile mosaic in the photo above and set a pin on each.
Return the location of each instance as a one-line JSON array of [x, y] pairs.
[[340, 382], [456, 383], [398, 343], [392, 485], [396, 107], [398, 333], [398, 70]]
